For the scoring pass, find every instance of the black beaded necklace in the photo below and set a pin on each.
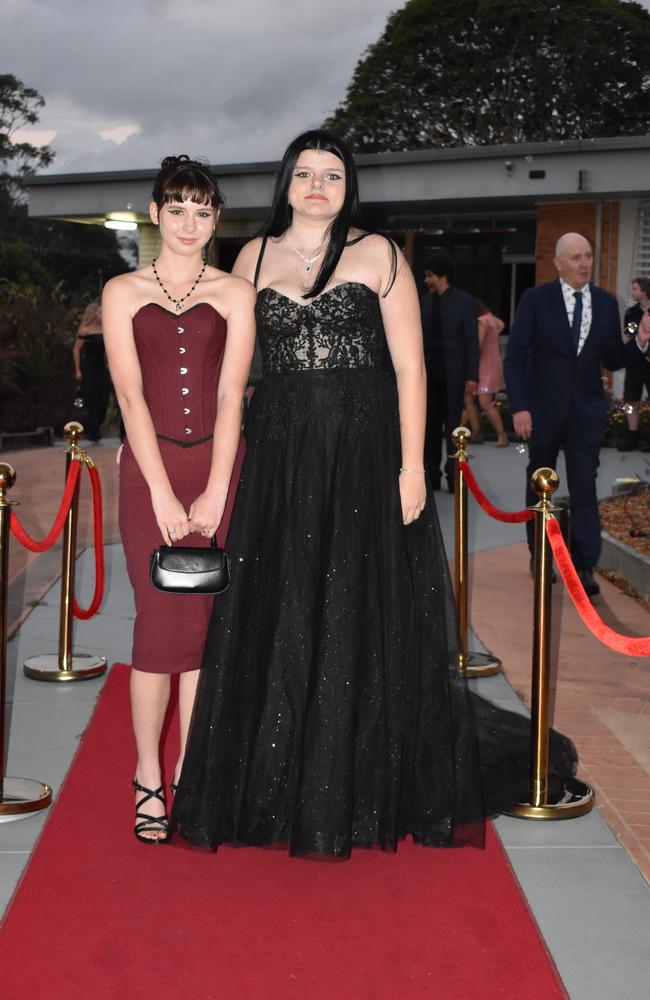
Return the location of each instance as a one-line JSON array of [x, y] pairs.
[[177, 302]]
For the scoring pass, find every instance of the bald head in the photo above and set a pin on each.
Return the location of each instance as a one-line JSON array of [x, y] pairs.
[[574, 259], [566, 243]]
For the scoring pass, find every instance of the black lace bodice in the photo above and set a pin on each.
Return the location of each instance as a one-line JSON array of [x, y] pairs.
[[341, 329]]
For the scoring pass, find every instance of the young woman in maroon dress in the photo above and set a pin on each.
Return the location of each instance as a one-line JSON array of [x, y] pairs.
[[179, 338]]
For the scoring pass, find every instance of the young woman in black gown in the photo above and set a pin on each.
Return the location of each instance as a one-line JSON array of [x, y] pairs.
[[330, 711]]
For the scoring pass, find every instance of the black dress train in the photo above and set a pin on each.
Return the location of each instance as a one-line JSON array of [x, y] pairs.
[[330, 711]]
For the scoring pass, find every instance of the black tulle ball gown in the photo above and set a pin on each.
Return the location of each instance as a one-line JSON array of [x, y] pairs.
[[330, 712]]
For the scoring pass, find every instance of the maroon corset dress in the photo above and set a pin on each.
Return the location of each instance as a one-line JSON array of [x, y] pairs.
[[180, 359]]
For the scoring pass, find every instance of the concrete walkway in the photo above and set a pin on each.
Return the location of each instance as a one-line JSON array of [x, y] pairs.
[[582, 878]]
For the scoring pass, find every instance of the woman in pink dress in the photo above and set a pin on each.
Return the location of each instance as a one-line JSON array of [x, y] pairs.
[[490, 377]]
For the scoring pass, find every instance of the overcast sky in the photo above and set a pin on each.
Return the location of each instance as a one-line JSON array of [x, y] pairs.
[[129, 81]]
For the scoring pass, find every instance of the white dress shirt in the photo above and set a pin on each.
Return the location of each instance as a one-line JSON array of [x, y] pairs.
[[569, 294]]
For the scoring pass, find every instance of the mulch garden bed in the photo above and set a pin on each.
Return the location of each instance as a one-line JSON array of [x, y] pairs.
[[619, 515], [630, 511]]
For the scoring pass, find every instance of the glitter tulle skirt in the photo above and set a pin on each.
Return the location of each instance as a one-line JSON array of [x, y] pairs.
[[330, 712]]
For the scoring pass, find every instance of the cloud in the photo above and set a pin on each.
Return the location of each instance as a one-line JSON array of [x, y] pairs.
[[231, 82]]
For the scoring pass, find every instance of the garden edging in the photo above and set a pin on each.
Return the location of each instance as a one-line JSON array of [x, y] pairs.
[[633, 566]]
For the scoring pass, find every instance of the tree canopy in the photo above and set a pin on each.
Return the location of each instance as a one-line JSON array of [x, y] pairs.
[[476, 72], [20, 106], [42, 254]]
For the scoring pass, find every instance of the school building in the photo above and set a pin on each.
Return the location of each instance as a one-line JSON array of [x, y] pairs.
[[497, 210]]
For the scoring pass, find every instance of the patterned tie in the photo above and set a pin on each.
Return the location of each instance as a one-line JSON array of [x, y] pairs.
[[576, 322]]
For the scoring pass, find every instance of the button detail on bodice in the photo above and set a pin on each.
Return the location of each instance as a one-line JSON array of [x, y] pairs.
[[171, 383]]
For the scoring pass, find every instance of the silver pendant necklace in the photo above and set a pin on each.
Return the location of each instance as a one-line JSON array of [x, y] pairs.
[[178, 303], [309, 261]]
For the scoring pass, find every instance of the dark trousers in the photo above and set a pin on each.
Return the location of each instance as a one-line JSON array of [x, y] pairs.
[[581, 450], [444, 406]]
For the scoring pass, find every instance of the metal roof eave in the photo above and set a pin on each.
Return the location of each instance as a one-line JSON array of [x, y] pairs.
[[513, 150]]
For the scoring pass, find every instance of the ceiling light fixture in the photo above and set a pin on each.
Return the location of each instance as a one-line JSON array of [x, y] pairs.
[[120, 224]]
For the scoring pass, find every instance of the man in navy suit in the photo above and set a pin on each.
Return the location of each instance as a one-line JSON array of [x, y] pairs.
[[451, 354], [564, 331]]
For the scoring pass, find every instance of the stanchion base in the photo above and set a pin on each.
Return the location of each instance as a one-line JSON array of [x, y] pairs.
[[22, 797], [482, 665], [85, 666], [576, 800]]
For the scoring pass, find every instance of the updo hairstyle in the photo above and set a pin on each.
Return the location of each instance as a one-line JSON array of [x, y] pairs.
[[181, 178]]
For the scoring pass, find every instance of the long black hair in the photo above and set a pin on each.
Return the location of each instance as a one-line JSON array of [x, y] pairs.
[[281, 214]]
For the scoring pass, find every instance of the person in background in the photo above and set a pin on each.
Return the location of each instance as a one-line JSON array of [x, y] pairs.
[[90, 369], [564, 332], [490, 377], [451, 353], [637, 375]]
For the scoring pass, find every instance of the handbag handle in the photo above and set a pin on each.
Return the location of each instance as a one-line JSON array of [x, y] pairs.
[[213, 542]]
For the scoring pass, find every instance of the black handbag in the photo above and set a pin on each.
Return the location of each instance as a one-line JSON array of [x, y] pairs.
[[188, 570]]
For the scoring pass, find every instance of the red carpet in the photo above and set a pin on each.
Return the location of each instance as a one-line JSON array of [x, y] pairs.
[[100, 916]]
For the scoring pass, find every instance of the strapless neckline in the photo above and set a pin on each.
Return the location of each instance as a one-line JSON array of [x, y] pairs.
[[170, 312], [327, 292]]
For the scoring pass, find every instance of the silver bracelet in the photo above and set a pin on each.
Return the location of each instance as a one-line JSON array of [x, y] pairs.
[[421, 471]]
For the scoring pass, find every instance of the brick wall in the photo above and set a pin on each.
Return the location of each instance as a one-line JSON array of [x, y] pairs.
[[609, 245], [556, 218]]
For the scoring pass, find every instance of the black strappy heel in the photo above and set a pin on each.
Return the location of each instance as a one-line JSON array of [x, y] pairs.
[[154, 824], [172, 787]]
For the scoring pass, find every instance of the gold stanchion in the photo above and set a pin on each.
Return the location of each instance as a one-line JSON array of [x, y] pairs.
[[473, 663], [18, 796], [575, 798], [65, 666]]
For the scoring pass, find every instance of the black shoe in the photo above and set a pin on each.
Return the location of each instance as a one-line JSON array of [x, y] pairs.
[[531, 567], [586, 578], [630, 442], [150, 824]]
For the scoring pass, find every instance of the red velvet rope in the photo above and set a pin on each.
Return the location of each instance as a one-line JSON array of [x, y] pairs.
[[46, 543], [621, 643], [98, 533], [509, 517]]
